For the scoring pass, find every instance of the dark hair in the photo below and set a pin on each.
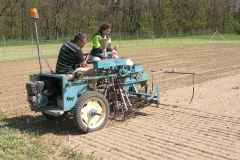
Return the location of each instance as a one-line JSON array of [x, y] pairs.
[[79, 36], [104, 26]]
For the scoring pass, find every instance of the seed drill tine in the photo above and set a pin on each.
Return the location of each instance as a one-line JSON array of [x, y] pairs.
[[121, 93], [127, 99], [193, 89], [114, 90], [106, 86], [123, 99], [152, 82], [135, 88], [124, 92], [158, 95]]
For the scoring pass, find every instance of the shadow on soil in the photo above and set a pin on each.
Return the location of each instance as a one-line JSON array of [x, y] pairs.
[[64, 126], [40, 125]]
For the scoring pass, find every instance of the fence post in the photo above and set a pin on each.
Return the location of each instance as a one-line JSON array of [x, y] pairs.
[[181, 33], [4, 45], [167, 37], [192, 35], [137, 38], [181, 39], [152, 38], [119, 36], [57, 42]]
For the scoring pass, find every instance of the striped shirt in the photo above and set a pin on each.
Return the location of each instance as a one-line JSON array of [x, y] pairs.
[[69, 58]]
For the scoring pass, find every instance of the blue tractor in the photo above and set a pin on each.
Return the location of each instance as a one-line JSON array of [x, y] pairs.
[[121, 91]]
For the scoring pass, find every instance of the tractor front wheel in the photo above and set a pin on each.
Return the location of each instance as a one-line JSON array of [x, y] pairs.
[[91, 112]]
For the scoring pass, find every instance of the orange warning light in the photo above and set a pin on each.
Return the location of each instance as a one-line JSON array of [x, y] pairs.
[[33, 13]]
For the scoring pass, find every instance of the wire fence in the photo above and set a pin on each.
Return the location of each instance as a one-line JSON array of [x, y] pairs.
[[26, 49]]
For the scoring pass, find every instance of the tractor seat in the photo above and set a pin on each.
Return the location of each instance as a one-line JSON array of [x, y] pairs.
[[92, 59], [86, 58]]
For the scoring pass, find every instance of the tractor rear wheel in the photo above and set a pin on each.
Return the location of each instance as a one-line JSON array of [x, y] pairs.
[[91, 112]]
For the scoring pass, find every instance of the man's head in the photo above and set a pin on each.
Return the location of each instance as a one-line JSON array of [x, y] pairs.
[[80, 39]]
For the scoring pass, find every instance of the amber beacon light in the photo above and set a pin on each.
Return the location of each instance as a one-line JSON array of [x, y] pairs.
[[33, 13]]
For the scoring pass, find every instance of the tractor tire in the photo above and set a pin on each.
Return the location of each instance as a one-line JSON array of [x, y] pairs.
[[91, 112]]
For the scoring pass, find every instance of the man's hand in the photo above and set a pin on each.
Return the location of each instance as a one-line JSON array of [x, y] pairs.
[[84, 64]]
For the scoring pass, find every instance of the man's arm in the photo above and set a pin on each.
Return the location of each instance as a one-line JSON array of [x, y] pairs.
[[84, 64], [81, 59]]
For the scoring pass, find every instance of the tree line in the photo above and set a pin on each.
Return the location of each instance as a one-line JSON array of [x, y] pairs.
[[156, 17]]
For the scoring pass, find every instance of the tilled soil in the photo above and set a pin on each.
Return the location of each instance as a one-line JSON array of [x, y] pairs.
[[209, 128]]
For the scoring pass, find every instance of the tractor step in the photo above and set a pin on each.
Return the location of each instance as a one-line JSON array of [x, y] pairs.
[[53, 111]]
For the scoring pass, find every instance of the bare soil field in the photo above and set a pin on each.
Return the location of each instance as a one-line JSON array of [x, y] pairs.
[[208, 128]]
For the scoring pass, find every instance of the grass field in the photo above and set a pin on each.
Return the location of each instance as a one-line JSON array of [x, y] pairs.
[[16, 144], [27, 145], [22, 50]]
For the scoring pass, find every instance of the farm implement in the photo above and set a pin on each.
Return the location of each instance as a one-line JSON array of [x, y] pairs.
[[121, 90]]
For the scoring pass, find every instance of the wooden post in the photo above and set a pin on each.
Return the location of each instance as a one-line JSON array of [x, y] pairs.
[[192, 35], [137, 38], [152, 38], [57, 43], [4, 45], [167, 37]]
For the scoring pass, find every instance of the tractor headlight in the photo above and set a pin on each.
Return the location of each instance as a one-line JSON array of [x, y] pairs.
[[42, 100]]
